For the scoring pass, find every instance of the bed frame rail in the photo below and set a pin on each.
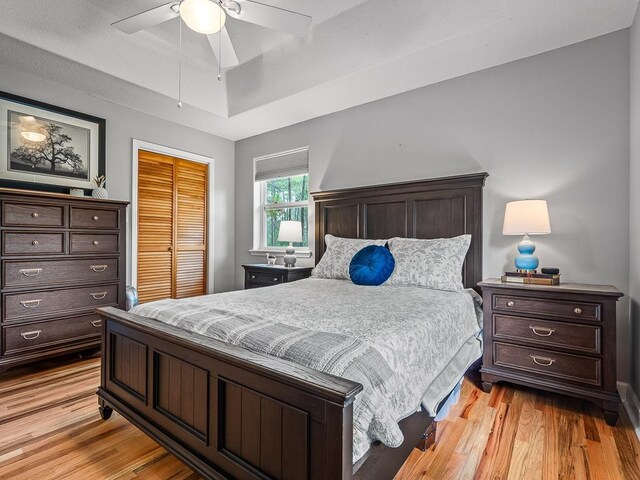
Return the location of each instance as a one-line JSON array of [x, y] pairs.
[[225, 411]]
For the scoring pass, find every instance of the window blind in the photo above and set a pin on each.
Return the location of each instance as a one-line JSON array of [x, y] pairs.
[[283, 164]]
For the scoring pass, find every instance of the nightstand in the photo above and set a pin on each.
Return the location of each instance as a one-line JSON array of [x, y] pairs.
[[560, 338], [261, 275]]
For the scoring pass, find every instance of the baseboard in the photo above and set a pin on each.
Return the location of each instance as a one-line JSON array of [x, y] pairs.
[[631, 404]]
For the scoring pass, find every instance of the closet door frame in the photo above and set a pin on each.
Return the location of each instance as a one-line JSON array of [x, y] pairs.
[[132, 277]]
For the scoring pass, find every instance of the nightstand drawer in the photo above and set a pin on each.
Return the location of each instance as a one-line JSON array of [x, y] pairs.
[[572, 336], [543, 306], [559, 365], [264, 278]]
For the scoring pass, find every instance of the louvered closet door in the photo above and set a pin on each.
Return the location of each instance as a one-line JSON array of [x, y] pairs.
[[155, 226], [172, 227], [191, 228]]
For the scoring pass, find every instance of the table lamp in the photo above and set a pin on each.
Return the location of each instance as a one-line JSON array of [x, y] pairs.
[[290, 231], [526, 217]]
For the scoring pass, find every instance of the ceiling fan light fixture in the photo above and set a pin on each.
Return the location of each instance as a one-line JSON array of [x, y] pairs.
[[202, 16]]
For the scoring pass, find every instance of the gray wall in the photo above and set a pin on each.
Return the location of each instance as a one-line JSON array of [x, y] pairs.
[[553, 126], [634, 223], [123, 125]]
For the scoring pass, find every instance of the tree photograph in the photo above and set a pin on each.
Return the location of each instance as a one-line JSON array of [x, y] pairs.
[[47, 147]]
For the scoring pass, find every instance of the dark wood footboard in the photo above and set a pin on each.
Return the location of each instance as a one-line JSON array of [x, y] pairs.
[[225, 411]]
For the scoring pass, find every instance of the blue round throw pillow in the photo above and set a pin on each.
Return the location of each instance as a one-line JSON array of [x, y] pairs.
[[372, 265]]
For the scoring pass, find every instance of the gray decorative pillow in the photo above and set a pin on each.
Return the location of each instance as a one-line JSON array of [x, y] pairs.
[[336, 259], [435, 263]]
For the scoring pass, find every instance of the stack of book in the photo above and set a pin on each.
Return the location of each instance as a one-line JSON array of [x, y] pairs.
[[531, 278]]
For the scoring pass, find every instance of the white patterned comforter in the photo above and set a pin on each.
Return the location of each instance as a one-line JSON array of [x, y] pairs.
[[393, 340]]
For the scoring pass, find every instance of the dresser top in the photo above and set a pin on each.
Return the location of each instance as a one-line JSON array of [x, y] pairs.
[[586, 288], [60, 196]]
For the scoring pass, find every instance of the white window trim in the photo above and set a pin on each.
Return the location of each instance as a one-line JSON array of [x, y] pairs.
[[263, 249]]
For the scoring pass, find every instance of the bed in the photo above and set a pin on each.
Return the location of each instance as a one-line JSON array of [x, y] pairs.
[[231, 407]]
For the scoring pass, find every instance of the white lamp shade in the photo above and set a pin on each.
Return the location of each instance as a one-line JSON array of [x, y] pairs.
[[202, 16], [526, 217], [290, 231]]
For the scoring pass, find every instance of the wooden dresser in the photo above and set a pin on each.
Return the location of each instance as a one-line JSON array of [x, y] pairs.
[[61, 257], [560, 338], [262, 275]]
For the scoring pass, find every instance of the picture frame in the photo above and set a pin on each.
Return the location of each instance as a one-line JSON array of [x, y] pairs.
[[49, 148]]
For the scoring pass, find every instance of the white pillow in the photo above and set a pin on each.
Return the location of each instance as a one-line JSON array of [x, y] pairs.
[[340, 251], [435, 263]]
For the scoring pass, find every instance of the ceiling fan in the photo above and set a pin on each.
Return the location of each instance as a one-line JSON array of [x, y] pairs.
[[209, 16]]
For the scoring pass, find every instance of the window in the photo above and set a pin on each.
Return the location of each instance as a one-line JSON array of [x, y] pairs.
[[282, 187], [285, 198]]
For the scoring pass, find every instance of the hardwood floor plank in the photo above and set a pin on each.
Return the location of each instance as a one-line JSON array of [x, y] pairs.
[[628, 451], [533, 463], [478, 442], [571, 441], [50, 429]]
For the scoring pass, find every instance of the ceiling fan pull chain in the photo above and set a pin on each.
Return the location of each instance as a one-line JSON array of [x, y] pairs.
[[180, 64], [220, 44]]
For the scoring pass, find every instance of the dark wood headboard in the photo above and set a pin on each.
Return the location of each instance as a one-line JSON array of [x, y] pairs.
[[435, 208]]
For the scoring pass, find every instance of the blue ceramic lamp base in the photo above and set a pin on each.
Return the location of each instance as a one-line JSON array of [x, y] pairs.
[[526, 261]]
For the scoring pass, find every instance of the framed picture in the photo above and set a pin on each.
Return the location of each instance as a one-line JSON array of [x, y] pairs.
[[44, 147]]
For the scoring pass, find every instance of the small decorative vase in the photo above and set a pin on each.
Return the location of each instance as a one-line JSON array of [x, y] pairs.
[[100, 193]]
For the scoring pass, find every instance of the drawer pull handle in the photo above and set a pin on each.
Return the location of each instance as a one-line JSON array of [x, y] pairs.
[[31, 335], [30, 272], [95, 218], [98, 295], [253, 277], [510, 303], [543, 361], [96, 323], [538, 331], [99, 268], [275, 279], [31, 303], [95, 242], [35, 215], [35, 243], [577, 310]]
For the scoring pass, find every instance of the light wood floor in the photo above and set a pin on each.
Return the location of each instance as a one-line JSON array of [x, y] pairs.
[[50, 429]]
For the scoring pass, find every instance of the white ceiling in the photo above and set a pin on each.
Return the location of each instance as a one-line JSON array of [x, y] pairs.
[[357, 51]]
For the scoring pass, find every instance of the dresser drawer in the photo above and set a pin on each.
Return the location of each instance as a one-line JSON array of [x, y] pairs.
[[24, 243], [553, 364], [32, 336], [36, 273], [264, 278], [35, 304], [32, 215], [556, 308], [572, 336], [94, 218], [94, 243]]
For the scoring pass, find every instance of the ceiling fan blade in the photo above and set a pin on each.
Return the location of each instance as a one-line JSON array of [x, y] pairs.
[[273, 17], [229, 57], [146, 19]]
